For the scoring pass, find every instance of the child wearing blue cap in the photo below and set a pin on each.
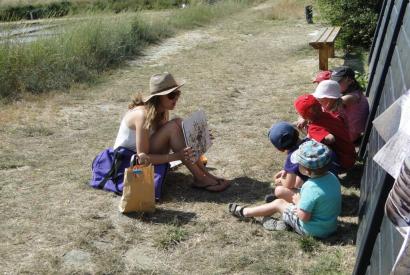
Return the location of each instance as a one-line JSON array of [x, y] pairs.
[[286, 139], [315, 209]]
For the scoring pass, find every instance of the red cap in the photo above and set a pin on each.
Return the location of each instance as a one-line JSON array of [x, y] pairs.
[[303, 103], [322, 75]]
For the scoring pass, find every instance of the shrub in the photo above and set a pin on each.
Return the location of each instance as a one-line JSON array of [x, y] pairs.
[[358, 19]]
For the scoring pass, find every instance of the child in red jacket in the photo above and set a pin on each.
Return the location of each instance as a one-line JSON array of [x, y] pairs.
[[327, 128]]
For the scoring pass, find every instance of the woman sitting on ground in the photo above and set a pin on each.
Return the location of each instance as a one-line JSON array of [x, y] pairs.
[[147, 130]]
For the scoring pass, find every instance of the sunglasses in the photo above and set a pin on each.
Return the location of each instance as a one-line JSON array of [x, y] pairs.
[[173, 95]]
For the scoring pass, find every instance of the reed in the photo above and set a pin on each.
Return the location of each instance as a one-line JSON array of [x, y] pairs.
[[81, 52], [76, 55]]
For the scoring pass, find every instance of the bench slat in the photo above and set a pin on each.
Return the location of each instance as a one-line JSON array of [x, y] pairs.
[[325, 36], [324, 42], [334, 33], [328, 35]]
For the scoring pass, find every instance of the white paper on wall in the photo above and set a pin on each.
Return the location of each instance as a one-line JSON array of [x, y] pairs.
[[393, 125], [384, 122], [391, 156], [402, 264], [405, 114]]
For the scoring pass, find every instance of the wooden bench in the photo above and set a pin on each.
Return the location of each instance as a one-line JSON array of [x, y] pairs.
[[325, 42]]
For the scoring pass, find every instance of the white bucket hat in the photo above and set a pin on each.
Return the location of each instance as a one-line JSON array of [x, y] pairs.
[[327, 89]]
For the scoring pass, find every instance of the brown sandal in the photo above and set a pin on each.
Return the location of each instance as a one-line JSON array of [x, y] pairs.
[[206, 187]]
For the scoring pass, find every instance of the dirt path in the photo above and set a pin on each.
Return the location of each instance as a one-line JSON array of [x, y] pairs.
[[244, 72]]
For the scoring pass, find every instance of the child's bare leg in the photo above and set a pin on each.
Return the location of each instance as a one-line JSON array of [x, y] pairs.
[[284, 193], [267, 209]]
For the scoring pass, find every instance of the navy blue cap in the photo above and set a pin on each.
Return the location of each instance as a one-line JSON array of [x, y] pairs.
[[282, 135]]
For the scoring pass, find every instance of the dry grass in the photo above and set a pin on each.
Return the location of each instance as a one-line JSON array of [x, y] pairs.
[[287, 9], [244, 72]]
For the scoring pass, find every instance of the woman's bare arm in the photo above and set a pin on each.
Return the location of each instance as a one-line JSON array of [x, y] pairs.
[[349, 99]]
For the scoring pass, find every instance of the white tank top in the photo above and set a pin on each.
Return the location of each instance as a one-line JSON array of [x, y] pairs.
[[126, 137]]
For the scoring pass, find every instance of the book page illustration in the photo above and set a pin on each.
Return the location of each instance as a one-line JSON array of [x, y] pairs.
[[196, 133]]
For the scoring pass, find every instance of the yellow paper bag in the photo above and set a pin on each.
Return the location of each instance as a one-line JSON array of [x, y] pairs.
[[139, 191]]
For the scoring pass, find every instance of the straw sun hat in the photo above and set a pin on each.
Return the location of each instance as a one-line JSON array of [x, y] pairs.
[[162, 84]]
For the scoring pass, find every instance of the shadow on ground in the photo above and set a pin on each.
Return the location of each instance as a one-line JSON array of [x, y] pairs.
[[345, 235], [164, 216], [242, 189], [353, 177], [350, 205]]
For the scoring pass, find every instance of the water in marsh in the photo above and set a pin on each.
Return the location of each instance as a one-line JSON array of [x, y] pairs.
[[26, 33], [31, 30]]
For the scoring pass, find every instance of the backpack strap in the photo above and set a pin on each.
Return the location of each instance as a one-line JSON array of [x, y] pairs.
[[113, 171], [118, 158]]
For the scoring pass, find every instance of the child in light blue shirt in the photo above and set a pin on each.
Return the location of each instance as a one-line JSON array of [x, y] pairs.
[[315, 209], [321, 197]]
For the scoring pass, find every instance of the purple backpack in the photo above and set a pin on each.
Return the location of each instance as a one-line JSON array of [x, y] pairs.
[[108, 169]]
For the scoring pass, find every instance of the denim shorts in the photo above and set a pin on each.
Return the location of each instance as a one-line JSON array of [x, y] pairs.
[[291, 218]]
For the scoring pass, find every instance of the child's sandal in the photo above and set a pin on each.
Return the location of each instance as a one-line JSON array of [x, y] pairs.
[[236, 210]]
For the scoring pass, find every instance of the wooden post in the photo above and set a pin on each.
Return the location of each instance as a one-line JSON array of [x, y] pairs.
[[323, 56], [324, 42], [332, 50]]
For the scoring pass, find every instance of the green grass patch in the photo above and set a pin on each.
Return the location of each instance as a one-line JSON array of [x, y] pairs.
[[328, 264], [171, 237], [83, 51], [36, 131], [308, 244]]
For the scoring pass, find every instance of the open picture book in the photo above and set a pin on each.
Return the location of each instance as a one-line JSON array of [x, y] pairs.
[[196, 133]]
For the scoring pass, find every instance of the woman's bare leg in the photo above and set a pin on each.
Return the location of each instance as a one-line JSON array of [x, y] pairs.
[[169, 137], [219, 179], [267, 209]]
